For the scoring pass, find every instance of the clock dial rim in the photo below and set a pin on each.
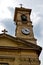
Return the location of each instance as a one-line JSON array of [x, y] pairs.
[[25, 31]]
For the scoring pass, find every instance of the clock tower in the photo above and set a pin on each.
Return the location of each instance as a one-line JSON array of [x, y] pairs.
[[24, 27]]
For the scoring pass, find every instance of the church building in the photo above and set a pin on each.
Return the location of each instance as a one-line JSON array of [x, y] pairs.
[[22, 49]]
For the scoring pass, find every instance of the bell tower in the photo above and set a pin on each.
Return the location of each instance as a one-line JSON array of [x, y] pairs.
[[24, 27]]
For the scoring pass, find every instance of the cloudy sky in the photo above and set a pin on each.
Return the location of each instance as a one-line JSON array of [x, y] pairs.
[[7, 8]]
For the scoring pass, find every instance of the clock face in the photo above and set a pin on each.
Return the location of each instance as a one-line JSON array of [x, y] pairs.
[[25, 31], [24, 18]]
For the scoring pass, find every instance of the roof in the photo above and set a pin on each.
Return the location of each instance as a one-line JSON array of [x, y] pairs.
[[29, 45]]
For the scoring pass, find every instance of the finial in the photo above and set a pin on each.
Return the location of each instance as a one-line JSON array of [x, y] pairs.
[[4, 31], [21, 5]]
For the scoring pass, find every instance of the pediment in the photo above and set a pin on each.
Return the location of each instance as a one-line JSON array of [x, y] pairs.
[[8, 40]]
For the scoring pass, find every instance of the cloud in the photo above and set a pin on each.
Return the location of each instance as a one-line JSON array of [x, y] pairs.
[[4, 11], [2, 27], [35, 18], [5, 14], [6, 3], [9, 25], [11, 9], [40, 5]]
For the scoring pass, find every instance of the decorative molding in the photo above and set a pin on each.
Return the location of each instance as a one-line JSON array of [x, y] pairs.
[[7, 57]]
